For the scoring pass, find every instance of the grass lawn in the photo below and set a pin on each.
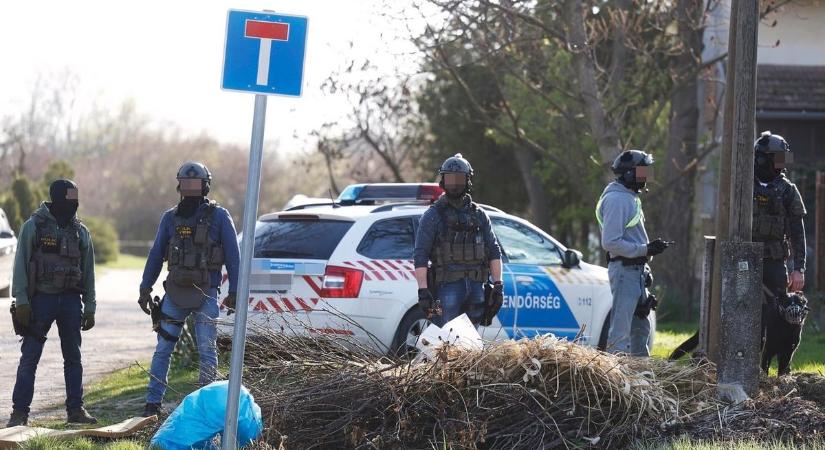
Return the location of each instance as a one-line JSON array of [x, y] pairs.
[[809, 357], [125, 261], [687, 444]]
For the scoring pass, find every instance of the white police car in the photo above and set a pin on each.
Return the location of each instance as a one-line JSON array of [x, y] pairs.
[[346, 268]]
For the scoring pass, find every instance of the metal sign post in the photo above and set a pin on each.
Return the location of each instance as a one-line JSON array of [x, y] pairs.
[[250, 214], [264, 54]]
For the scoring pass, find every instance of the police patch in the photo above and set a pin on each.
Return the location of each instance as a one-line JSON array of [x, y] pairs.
[[49, 244], [184, 231]]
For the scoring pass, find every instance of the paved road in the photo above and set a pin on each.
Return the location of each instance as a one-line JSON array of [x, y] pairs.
[[121, 336]]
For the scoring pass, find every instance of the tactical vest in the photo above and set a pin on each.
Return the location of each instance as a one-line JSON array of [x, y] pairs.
[[55, 261], [769, 218], [192, 253], [459, 242]]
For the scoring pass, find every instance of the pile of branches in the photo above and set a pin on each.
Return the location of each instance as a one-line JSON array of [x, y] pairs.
[[332, 392]]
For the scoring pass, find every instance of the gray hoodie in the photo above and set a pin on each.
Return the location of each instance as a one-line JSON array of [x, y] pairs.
[[618, 208]]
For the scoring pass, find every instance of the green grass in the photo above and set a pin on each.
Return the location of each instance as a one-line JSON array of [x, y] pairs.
[[685, 443], [809, 357], [121, 395], [46, 443], [125, 261]]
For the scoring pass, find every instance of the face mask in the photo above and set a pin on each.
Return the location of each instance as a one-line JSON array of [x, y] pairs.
[[455, 185], [763, 168], [64, 201]]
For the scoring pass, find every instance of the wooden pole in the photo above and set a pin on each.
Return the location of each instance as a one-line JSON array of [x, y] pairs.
[[740, 300]]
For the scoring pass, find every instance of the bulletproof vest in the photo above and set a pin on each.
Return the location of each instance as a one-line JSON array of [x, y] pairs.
[[459, 242], [769, 218], [56, 257], [192, 253]]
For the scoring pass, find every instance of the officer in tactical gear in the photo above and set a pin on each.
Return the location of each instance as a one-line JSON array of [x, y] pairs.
[[778, 213], [195, 238], [54, 281], [624, 238], [456, 240]]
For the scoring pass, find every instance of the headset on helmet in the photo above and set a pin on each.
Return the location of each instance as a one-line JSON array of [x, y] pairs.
[[195, 170]]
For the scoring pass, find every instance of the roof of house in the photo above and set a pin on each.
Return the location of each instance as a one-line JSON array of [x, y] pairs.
[[790, 88]]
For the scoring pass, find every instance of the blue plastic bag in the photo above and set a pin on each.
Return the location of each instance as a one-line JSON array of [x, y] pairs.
[[200, 417]]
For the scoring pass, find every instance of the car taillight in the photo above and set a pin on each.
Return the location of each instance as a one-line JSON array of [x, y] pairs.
[[341, 282]]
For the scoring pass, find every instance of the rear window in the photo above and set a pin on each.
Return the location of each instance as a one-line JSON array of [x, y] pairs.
[[305, 238], [389, 239]]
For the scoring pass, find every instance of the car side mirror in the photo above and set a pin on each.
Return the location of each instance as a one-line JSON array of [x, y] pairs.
[[6, 234], [571, 258]]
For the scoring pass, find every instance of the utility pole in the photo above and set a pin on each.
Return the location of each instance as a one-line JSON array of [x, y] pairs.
[[736, 305], [820, 231]]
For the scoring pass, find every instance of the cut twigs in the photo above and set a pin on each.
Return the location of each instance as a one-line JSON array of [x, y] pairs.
[[333, 392]]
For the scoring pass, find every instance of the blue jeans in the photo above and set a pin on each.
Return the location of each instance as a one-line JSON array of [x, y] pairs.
[[457, 297], [65, 309], [206, 335], [628, 334]]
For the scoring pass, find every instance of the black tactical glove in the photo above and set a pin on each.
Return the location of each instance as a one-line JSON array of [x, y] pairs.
[[644, 307], [428, 304], [656, 247], [87, 322], [229, 302], [23, 314], [145, 299], [648, 279], [493, 302]]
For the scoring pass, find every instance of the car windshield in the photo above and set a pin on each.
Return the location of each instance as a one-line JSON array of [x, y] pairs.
[[523, 245], [305, 238]]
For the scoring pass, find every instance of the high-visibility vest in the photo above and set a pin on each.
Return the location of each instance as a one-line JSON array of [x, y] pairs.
[[637, 217]]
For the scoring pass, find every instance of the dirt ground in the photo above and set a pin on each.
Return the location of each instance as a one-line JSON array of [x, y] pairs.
[[121, 336]]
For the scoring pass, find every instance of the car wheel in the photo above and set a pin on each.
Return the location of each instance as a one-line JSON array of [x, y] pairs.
[[605, 330], [406, 336]]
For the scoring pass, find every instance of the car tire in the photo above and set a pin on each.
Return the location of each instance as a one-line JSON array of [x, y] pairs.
[[410, 327]]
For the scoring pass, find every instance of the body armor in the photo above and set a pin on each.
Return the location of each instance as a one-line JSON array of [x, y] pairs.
[[770, 218], [459, 243], [191, 255], [55, 262]]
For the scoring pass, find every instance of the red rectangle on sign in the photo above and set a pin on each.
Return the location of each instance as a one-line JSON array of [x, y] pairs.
[[276, 31]]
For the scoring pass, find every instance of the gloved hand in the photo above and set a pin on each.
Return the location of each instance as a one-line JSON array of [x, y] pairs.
[[498, 293], [145, 299], [656, 247], [493, 303], [87, 322], [23, 314], [229, 302], [427, 303]]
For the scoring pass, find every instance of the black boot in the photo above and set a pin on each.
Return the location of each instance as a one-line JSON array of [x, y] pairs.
[[79, 415], [151, 409], [18, 418]]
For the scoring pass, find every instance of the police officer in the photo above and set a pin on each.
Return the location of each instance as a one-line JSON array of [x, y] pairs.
[[195, 238], [778, 211], [624, 238], [456, 236], [54, 281]]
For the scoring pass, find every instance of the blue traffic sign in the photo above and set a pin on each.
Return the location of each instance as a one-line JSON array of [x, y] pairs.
[[264, 53]]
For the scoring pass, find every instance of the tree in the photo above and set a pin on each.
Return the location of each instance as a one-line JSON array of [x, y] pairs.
[[12, 209], [27, 194], [57, 170]]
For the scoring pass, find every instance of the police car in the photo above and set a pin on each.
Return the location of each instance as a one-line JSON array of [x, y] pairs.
[[346, 268]]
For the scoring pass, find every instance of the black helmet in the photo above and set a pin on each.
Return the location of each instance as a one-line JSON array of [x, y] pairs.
[[195, 171], [456, 164], [771, 143], [630, 159]]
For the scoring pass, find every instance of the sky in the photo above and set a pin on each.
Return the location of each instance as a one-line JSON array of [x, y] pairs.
[[167, 56]]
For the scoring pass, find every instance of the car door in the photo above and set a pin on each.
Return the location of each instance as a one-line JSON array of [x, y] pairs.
[[535, 303], [8, 244]]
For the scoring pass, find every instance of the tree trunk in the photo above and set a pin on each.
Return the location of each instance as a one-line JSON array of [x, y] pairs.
[[676, 271], [526, 160]]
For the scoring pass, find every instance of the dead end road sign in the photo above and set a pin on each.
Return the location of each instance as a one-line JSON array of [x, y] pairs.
[[264, 53]]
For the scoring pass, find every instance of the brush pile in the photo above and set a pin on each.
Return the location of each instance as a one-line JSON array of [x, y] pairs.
[[331, 392]]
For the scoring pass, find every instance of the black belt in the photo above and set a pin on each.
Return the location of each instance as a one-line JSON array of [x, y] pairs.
[[640, 261]]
